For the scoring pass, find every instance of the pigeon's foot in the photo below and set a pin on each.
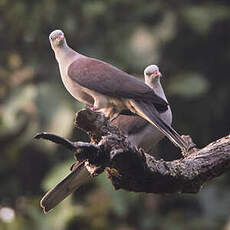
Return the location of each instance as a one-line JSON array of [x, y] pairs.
[[191, 146]]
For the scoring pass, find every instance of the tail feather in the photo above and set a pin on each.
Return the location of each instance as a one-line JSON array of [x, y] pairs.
[[149, 113], [74, 180]]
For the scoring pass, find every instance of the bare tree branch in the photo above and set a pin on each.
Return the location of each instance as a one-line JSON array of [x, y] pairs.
[[134, 170]]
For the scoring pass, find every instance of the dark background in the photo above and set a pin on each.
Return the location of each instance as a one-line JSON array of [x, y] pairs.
[[189, 40]]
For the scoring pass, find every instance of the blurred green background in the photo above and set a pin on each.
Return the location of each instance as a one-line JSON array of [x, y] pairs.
[[189, 40]]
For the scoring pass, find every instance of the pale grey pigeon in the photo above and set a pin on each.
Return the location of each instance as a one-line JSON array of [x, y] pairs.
[[108, 89], [140, 132]]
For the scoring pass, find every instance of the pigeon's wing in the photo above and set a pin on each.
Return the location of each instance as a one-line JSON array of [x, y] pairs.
[[149, 113], [71, 182], [112, 82], [106, 79]]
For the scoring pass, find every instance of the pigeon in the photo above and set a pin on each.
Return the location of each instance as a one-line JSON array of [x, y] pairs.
[[140, 132], [109, 90]]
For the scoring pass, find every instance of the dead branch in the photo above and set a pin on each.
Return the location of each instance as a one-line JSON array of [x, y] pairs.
[[134, 170]]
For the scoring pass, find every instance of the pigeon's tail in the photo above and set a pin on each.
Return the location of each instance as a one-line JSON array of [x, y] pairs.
[[74, 180], [150, 114]]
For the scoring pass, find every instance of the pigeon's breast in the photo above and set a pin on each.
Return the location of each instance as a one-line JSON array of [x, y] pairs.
[[108, 105], [76, 90]]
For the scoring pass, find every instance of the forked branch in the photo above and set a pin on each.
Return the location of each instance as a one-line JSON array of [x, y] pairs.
[[134, 170]]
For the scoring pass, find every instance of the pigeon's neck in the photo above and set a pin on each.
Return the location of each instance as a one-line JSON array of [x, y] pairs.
[[65, 54], [155, 84]]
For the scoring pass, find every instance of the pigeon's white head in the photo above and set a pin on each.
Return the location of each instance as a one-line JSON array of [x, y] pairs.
[[57, 39], [152, 74]]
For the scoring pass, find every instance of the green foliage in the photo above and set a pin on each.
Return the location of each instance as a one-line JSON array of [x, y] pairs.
[[189, 40]]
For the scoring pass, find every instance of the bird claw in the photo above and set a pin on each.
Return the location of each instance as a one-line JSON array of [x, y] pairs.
[[191, 147]]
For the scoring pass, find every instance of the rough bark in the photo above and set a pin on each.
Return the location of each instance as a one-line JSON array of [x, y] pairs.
[[134, 170]]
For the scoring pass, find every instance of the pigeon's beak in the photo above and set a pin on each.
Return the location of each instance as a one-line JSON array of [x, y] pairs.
[[156, 74], [60, 37]]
